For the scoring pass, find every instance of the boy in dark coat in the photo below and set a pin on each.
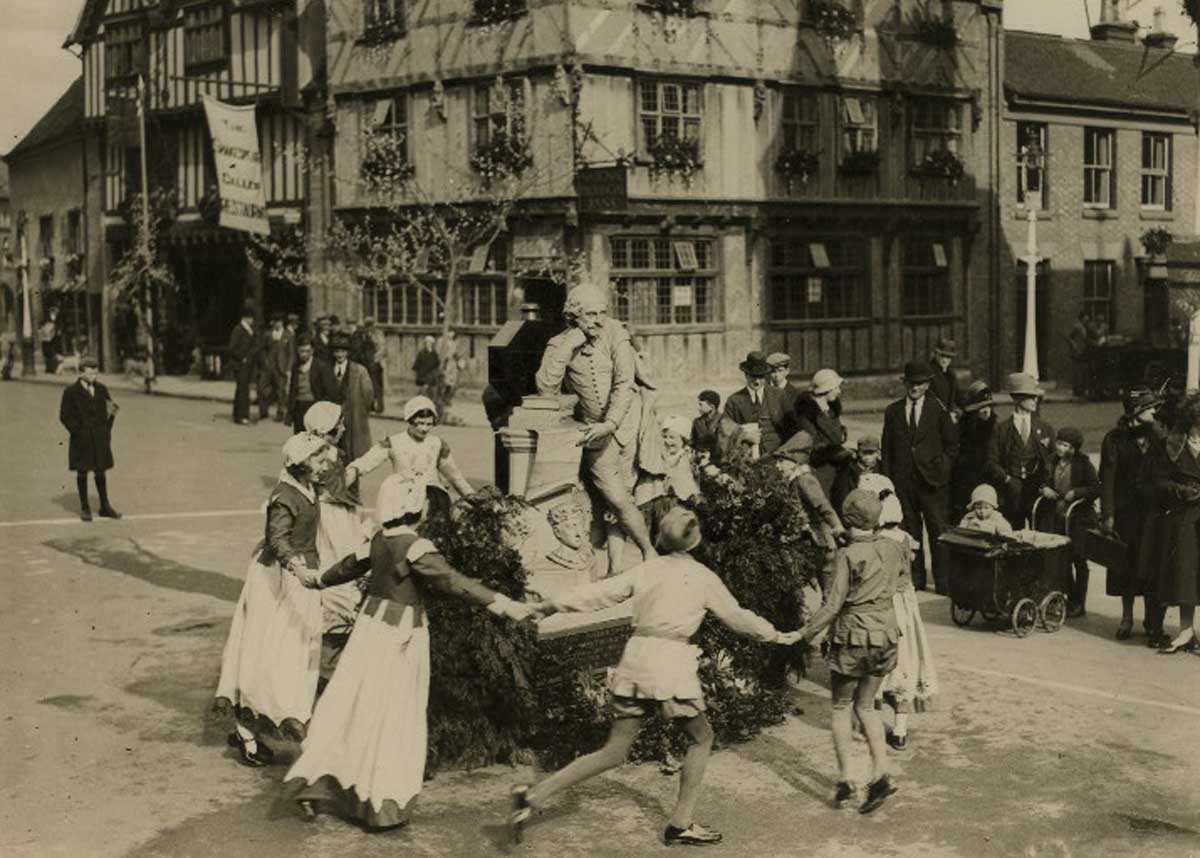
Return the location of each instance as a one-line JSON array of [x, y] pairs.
[[1073, 488], [866, 461], [87, 411]]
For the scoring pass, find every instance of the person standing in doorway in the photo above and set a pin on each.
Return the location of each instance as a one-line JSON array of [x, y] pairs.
[[920, 443], [1078, 341], [243, 353], [88, 412]]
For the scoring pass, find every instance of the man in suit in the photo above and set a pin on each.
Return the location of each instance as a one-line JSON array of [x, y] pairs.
[[781, 366], [368, 348], [312, 381], [275, 371], [919, 444], [353, 391], [1019, 458], [759, 404], [944, 384], [88, 412], [320, 340], [243, 353]]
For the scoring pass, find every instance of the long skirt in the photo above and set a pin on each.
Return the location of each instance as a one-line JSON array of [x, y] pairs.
[[271, 657], [913, 684], [341, 533], [364, 757]]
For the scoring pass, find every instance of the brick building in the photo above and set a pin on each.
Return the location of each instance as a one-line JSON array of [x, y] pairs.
[[47, 186], [838, 197], [1117, 117]]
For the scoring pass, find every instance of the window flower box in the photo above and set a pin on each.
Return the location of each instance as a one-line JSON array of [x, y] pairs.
[[501, 156], [674, 157], [864, 162], [941, 165]]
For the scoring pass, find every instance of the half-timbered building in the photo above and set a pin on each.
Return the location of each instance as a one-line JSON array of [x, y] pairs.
[[811, 176], [260, 52]]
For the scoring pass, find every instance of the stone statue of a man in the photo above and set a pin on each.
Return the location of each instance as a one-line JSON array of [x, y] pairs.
[[594, 359]]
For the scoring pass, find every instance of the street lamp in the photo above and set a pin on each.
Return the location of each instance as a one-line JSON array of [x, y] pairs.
[[1031, 159]]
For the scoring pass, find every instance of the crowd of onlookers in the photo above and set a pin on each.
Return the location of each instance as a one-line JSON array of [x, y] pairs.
[[950, 459]]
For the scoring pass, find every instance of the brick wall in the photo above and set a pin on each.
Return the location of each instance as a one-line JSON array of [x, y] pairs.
[[1068, 233]]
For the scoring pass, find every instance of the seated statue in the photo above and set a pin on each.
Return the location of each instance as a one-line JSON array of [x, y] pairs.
[[595, 360]]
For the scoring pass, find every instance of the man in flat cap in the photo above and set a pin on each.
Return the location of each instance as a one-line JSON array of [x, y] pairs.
[[781, 365], [594, 359], [759, 404], [88, 412]]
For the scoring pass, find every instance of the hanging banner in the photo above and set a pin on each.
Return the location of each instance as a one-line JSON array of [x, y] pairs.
[[239, 166]]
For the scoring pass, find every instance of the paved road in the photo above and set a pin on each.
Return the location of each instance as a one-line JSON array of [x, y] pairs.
[[1065, 744]]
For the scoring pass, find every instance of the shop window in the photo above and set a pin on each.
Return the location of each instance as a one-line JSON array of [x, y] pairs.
[[205, 40], [816, 278], [661, 281], [406, 304], [925, 289], [1099, 190], [1032, 137], [669, 111], [801, 121], [860, 130], [124, 51], [483, 290], [1098, 291], [1156, 171], [936, 127]]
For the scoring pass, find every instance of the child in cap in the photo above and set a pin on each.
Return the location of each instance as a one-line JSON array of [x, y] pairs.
[[863, 636], [1073, 488], [658, 671], [983, 513], [866, 461], [416, 453], [793, 460]]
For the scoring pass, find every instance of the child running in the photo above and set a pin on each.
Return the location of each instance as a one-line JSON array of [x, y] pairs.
[[658, 671], [862, 641]]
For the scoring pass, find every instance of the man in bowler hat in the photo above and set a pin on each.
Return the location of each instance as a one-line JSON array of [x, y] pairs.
[[759, 403], [919, 444], [88, 412]]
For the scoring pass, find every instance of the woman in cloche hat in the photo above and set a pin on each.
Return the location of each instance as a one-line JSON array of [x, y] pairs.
[[975, 430], [658, 671]]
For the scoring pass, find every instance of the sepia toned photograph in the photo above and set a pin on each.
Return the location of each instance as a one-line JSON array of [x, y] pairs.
[[541, 428]]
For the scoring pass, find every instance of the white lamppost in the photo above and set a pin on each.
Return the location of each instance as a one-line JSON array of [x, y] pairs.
[[1030, 159]]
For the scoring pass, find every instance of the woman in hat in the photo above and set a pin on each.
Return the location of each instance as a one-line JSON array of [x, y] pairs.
[[1127, 502], [364, 757], [269, 665], [1172, 544], [975, 429], [658, 671], [1072, 490], [819, 413], [862, 641], [342, 529], [793, 460], [416, 453], [912, 685]]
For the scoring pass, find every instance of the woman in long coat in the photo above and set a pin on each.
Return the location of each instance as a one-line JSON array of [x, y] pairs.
[[975, 431], [1174, 540]]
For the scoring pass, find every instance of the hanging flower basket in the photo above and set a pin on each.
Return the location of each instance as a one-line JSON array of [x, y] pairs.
[[490, 12], [861, 163], [383, 31], [937, 33], [797, 164], [685, 8], [1156, 240], [501, 156], [832, 21], [941, 165], [674, 157]]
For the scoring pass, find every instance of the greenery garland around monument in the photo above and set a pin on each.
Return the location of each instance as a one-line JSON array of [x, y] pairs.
[[486, 702]]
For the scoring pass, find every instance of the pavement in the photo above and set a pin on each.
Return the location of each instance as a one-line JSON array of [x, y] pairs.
[[1065, 744]]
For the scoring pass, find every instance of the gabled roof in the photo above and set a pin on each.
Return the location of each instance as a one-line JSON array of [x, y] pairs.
[[1043, 67], [65, 117]]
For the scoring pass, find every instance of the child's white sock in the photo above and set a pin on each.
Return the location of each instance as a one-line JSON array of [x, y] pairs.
[[901, 727]]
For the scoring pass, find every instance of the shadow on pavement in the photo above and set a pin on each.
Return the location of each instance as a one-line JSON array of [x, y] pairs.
[[124, 555]]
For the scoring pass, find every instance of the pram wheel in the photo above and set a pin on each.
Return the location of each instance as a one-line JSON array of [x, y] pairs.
[[1053, 611], [961, 616], [1024, 617]]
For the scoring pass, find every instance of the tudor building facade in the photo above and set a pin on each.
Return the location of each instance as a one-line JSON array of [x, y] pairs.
[[820, 184], [259, 52]]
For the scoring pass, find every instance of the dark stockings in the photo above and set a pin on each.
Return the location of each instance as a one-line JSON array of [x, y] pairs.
[[101, 489]]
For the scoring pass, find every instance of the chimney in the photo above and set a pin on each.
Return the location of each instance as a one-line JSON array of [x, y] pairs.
[[1111, 28], [1159, 37]]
